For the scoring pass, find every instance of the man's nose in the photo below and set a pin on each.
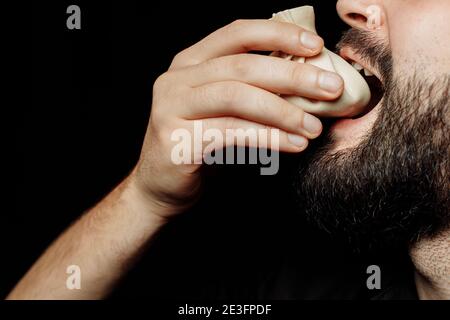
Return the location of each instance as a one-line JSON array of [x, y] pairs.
[[362, 14]]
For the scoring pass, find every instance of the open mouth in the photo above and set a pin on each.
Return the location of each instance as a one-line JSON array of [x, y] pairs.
[[370, 74]]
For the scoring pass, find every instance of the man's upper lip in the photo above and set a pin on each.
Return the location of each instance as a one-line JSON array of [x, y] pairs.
[[348, 53]]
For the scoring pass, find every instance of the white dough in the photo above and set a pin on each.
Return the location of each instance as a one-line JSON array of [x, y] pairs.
[[356, 92]]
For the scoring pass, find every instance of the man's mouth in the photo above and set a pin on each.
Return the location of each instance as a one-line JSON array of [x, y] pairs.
[[370, 74], [346, 128]]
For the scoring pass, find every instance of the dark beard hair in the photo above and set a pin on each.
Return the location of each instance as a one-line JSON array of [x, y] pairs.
[[393, 189]]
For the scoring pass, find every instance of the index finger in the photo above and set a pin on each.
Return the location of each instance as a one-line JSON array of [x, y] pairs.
[[246, 35]]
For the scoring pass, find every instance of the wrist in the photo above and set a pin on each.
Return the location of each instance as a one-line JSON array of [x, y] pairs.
[[145, 201]]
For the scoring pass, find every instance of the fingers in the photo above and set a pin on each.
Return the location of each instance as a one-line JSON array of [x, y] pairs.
[[270, 73], [237, 99], [247, 35], [244, 133]]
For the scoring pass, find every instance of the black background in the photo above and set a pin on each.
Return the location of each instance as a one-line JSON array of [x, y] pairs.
[[82, 133]]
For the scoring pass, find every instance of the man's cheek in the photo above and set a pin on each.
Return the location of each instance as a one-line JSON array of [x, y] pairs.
[[418, 35]]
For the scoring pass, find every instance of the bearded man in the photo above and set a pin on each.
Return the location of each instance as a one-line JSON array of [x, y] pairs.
[[380, 178]]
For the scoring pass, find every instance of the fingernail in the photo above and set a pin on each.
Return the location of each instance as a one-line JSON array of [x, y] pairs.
[[310, 40], [312, 124], [330, 81], [298, 141]]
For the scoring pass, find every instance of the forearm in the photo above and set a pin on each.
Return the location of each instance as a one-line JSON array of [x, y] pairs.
[[104, 242]]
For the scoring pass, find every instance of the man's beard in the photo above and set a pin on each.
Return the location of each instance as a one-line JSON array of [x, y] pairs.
[[394, 187]]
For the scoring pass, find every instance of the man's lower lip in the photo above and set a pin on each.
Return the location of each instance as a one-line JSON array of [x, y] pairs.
[[345, 123], [348, 123]]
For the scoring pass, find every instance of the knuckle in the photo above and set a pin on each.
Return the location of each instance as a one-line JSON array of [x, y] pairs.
[[230, 94], [161, 82], [240, 66], [261, 102], [290, 116], [183, 58], [297, 74], [204, 95], [166, 95], [238, 28], [237, 25], [164, 87], [285, 112], [177, 60], [213, 66]]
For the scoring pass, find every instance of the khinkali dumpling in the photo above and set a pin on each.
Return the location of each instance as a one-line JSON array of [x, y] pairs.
[[356, 93]]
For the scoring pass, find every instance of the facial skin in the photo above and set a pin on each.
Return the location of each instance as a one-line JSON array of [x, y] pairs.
[[385, 177], [415, 31]]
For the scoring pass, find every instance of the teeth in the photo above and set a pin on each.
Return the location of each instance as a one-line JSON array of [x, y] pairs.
[[368, 73], [357, 66]]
